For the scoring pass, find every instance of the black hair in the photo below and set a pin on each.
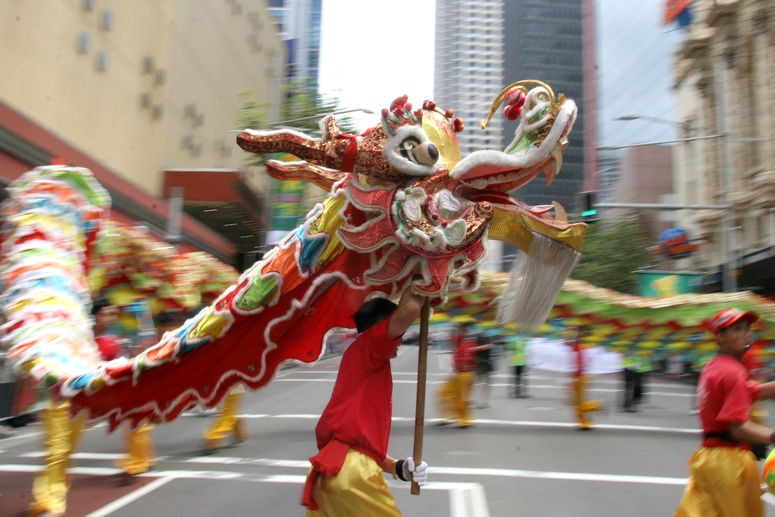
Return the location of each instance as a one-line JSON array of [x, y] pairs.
[[371, 312], [99, 303], [166, 318]]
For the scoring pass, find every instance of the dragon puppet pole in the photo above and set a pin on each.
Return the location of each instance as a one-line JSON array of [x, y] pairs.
[[419, 412]]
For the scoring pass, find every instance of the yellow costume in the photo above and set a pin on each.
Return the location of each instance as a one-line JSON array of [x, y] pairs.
[[723, 481], [455, 398], [49, 489], [139, 451], [584, 407], [227, 422], [359, 489], [579, 384]]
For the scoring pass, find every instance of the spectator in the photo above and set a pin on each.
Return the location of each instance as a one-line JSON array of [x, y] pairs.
[[484, 368], [517, 345]]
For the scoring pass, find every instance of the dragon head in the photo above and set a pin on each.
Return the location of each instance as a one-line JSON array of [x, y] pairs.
[[539, 140], [394, 150], [445, 216]]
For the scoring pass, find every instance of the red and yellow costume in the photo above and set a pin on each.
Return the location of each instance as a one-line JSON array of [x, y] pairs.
[[138, 450], [346, 478], [455, 393], [62, 436], [582, 406], [724, 476]]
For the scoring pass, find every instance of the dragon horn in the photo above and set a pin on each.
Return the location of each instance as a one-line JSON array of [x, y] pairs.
[[504, 92]]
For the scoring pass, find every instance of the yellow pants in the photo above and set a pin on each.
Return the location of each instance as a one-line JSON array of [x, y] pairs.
[[723, 482], [455, 398], [139, 451], [359, 489], [61, 437], [584, 407], [226, 422]]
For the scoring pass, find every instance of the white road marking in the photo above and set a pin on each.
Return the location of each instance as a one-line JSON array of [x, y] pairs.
[[130, 497], [511, 423], [467, 499]]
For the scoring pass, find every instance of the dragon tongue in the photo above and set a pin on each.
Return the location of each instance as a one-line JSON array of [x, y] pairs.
[[540, 209]]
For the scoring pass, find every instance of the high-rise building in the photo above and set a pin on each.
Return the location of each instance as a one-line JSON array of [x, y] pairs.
[[469, 63], [483, 46], [299, 22], [544, 41]]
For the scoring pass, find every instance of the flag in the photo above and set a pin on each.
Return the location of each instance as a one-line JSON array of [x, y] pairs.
[[677, 11]]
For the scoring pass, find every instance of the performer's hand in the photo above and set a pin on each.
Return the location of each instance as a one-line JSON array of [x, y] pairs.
[[419, 472]]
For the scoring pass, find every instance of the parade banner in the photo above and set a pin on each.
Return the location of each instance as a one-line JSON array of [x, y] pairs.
[[668, 283]]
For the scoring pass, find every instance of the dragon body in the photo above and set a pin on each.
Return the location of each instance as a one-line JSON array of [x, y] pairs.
[[403, 209]]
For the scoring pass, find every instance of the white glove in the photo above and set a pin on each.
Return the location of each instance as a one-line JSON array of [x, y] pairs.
[[419, 472]]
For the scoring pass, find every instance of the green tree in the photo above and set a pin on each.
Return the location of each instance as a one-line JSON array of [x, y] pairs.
[[252, 114], [304, 107], [613, 251]]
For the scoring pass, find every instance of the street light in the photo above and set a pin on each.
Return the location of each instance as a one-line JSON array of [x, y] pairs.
[[728, 280]]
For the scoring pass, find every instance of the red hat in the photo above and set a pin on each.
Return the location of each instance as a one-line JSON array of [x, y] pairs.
[[726, 317]]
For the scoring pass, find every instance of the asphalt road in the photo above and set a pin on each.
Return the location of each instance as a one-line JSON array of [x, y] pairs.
[[523, 457]]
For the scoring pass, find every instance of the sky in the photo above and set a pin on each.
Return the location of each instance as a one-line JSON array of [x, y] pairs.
[[373, 52], [635, 71]]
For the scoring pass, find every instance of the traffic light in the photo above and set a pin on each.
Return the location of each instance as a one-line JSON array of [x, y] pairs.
[[588, 205]]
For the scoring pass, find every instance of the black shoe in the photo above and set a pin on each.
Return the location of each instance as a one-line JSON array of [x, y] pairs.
[[125, 479]]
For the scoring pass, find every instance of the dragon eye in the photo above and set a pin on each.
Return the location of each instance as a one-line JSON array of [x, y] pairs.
[[406, 148]]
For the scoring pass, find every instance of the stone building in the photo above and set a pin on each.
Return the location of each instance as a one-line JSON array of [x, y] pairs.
[[725, 162]]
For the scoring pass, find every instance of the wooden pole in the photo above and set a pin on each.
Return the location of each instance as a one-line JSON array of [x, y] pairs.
[[419, 412]]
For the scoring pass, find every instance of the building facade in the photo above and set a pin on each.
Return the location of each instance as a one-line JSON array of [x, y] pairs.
[[468, 75], [132, 89], [645, 176], [724, 70]]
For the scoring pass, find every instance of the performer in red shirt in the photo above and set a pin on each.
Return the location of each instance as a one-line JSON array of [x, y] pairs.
[[455, 394], [353, 431], [724, 476], [583, 407], [105, 316]]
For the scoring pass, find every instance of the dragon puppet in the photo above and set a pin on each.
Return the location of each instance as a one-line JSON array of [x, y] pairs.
[[403, 209]]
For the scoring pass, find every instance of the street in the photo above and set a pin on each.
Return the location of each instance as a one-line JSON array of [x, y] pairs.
[[523, 457]]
